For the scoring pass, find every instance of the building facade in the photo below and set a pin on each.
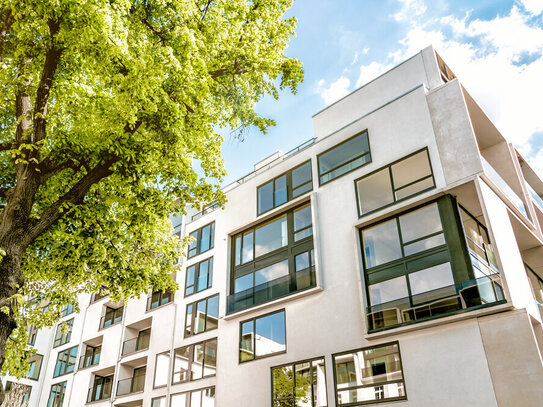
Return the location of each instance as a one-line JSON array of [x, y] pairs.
[[396, 258]]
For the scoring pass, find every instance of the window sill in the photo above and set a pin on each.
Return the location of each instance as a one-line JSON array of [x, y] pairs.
[[288, 298], [440, 321]]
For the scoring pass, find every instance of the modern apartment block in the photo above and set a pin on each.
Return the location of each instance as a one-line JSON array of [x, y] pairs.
[[396, 258]]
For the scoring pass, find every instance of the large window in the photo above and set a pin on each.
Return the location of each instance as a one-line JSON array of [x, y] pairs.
[[202, 316], [66, 361], [417, 265], [158, 298], [203, 240], [35, 367], [368, 375], [343, 158], [199, 277], [63, 333], [195, 398], [284, 188], [195, 361], [101, 388], [263, 336], [91, 356], [162, 367], [301, 384], [112, 316], [268, 259], [17, 393], [395, 182], [56, 396]]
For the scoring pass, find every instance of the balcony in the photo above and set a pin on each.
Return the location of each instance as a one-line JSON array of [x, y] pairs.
[[271, 290], [141, 342], [101, 391], [132, 384]]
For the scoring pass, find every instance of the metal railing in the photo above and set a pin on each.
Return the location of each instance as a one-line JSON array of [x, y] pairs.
[[131, 385], [108, 320], [87, 361], [100, 392], [136, 344]]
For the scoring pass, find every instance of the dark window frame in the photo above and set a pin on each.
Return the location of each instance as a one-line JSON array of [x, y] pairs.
[[91, 396], [193, 316], [368, 153], [64, 338], [114, 313], [59, 393], [283, 310], [67, 309], [388, 400], [67, 353], [189, 395], [290, 190], [37, 376], [197, 275], [162, 294], [191, 352], [198, 240], [394, 190], [96, 351]]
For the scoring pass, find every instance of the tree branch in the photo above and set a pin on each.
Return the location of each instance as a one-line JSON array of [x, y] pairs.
[[8, 145], [7, 21], [156, 32]]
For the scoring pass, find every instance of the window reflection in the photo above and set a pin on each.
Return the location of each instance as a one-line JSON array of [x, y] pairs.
[[263, 336], [202, 316], [271, 236], [162, 369], [382, 243]]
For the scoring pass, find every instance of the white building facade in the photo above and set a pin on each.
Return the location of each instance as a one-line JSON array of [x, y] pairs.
[[395, 259]]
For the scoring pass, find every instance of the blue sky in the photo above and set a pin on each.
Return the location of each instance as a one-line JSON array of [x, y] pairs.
[[494, 47]]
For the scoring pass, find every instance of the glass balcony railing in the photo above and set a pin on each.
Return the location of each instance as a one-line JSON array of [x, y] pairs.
[[136, 344], [504, 186], [479, 292], [88, 360], [271, 290], [131, 385]]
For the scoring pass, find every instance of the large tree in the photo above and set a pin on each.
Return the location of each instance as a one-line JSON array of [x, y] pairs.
[[108, 119]]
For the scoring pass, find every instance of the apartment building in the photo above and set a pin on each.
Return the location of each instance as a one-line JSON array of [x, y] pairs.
[[396, 258]]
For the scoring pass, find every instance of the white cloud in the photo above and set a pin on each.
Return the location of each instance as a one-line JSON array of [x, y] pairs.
[[534, 7], [335, 91], [410, 9], [371, 71]]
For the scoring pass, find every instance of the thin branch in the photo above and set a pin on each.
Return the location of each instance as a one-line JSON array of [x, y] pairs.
[[155, 31], [7, 21], [8, 145]]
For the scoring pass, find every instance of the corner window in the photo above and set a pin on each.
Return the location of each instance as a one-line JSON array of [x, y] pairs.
[[369, 375], [35, 367], [112, 316], [400, 180], [162, 367], [101, 388], [284, 188], [63, 333], [199, 277], [268, 259], [195, 361], [301, 384], [203, 239], [263, 336], [66, 361], [56, 396], [91, 356], [195, 398], [158, 298], [202, 316], [343, 158]]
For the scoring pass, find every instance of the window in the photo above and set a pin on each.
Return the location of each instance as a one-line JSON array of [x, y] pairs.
[[203, 240], [17, 393], [202, 316], [417, 266], [67, 310], [199, 277], [367, 375], [284, 188], [35, 367], [138, 343], [66, 360], [537, 284], [195, 398], [162, 367], [195, 361], [133, 384], [266, 257], [263, 336], [301, 384], [32, 334], [400, 180], [101, 388], [159, 402], [343, 158], [56, 397], [112, 316], [91, 356], [159, 298], [63, 333]]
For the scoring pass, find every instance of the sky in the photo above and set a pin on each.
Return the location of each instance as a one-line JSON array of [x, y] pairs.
[[494, 47]]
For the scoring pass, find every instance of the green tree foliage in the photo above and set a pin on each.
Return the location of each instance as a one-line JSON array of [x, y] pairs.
[[105, 107], [290, 389]]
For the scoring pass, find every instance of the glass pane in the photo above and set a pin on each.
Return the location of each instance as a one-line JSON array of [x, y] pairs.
[[280, 190], [246, 351], [191, 271], [345, 168], [247, 252], [411, 169], [179, 400], [212, 313], [195, 398], [206, 239], [302, 261], [270, 334], [197, 361], [271, 236], [432, 278], [161, 402], [265, 197], [303, 234], [161, 369], [202, 276], [302, 218], [243, 283], [210, 358], [181, 365], [271, 273], [343, 153], [424, 244], [381, 243], [302, 189], [301, 175], [302, 390], [238, 250], [193, 244], [200, 322], [415, 188], [283, 386], [208, 397], [384, 391], [374, 191], [188, 320], [319, 383], [419, 223], [388, 290]]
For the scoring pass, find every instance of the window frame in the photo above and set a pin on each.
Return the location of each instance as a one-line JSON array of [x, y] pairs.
[[391, 177], [64, 337], [168, 354], [197, 266], [104, 378], [188, 399], [62, 394], [384, 400], [368, 153], [283, 310], [66, 364], [192, 348], [199, 240], [114, 313], [83, 357], [32, 333], [161, 295], [37, 376], [193, 316], [289, 188]]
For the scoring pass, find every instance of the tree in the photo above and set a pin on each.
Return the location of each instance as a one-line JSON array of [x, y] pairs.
[[108, 113]]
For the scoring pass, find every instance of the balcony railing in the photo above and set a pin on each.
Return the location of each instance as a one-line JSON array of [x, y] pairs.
[[131, 385], [535, 196], [474, 293], [136, 344], [88, 360], [108, 320], [99, 392], [271, 290]]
